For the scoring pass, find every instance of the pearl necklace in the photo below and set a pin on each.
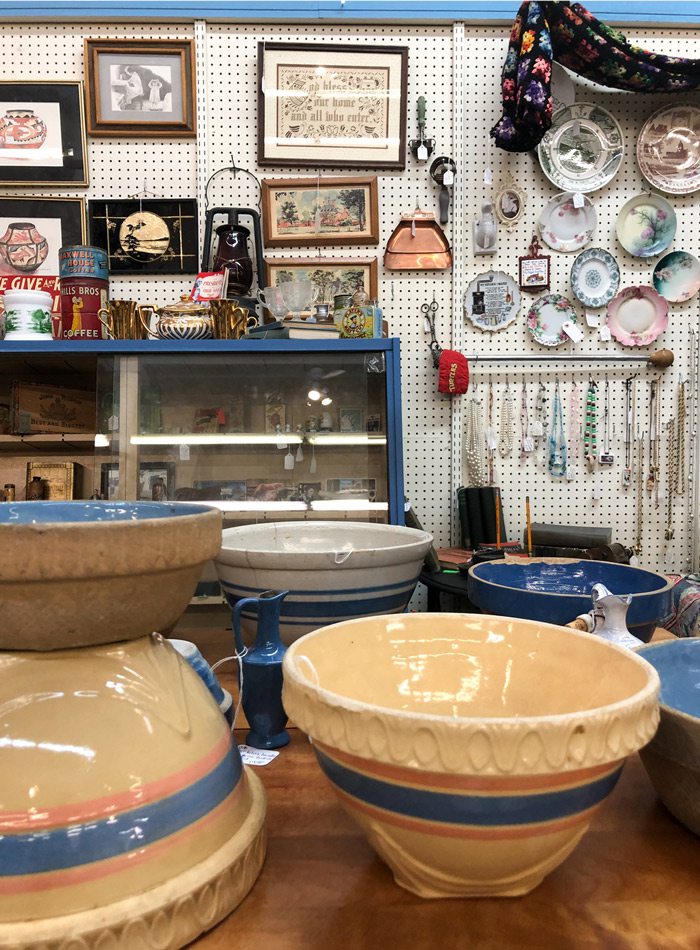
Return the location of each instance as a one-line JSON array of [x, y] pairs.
[[474, 444]]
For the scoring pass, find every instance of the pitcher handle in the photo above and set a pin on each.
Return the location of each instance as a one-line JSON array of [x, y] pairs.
[[139, 311], [236, 614], [260, 296], [108, 324]]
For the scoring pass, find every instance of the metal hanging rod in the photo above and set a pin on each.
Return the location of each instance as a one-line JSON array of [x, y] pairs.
[[508, 358]]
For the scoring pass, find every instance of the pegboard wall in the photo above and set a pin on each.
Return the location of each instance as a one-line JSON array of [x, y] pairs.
[[457, 69]]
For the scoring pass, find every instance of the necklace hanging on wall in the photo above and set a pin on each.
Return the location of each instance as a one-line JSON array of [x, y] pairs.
[[652, 483], [590, 435], [491, 440], [672, 476], [538, 425], [506, 429], [574, 432], [474, 443], [556, 463], [640, 498], [606, 457], [629, 432], [681, 413], [527, 443]]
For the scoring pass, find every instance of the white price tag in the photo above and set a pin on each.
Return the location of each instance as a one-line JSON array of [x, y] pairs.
[[426, 325], [253, 756], [536, 428], [592, 319], [448, 177], [488, 176], [579, 200], [571, 473], [604, 333], [573, 331], [422, 153], [113, 423], [528, 444], [184, 453], [597, 493], [491, 438]]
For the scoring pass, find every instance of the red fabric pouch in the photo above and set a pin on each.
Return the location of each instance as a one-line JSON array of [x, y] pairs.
[[453, 373]]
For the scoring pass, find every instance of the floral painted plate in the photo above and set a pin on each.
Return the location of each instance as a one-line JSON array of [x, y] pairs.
[[583, 149], [546, 319], [646, 225], [563, 226], [595, 277], [668, 149], [677, 276], [492, 300], [637, 316]]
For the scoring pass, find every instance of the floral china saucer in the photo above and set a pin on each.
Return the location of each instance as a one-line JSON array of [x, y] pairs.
[[546, 319], [595, 277], [668, 149], [677, 276], [563, 226], [637, 316], [583, 149], [646, 225]]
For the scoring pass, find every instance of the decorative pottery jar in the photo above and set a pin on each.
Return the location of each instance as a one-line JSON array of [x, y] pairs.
[[185, 320], [468, 780], [23, 247], [27, 315], [22, 128]]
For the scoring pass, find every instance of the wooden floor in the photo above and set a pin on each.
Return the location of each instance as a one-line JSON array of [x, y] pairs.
[[633, 881]]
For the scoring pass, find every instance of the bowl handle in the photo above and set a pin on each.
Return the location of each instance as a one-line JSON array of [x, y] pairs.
[[303, 658]]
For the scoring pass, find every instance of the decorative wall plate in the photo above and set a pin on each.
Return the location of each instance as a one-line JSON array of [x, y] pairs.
[[646, 225], [563, 226], [547, 316], [595, 277], [668, 149], [492, 300], [583, 149], [637, 316], [677, 276]]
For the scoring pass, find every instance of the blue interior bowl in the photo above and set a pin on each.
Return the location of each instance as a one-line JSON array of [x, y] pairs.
[[559, 592], [71, 512], [678, 664]]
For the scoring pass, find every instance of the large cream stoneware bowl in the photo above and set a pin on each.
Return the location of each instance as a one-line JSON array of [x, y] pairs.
[[472, 749], [333, 571], [87, 572]]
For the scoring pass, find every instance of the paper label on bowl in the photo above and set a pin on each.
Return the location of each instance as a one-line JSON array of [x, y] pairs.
[[573, 331], [251, 756]]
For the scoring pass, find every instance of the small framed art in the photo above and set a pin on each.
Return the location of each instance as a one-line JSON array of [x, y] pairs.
[[533, 268], [31, 232], [343, 106], [140, 87], [42, 133], [301, 211], [156, 236], [331, 275], [351, 419]]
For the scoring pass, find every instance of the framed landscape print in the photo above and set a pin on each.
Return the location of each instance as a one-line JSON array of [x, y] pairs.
[[342, 106], [331, 275], [302, 211], [31, 232], [140, 87], [149, 236], [42, 133]]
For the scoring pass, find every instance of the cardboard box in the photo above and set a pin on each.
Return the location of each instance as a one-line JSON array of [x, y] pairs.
[[39, 408], [63, 480]]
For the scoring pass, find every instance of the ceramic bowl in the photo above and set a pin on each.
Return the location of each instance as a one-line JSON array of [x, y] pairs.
[[333, 571], [557, 590], [473, 750], [128, 819], [86, 572], [672, 758]]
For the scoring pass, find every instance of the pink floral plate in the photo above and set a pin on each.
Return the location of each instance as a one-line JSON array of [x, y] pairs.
[[547, 316], [637, 316], [565, 226]]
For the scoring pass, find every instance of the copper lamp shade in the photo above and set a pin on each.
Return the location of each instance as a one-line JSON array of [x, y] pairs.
[[418, 243]]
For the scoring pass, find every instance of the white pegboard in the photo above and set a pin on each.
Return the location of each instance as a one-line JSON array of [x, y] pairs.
[[457, 69]]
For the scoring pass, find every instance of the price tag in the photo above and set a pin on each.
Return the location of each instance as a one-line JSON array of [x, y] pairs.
[[579, 200], [597, 493], [488, 176], [426, 325], [604, 333], [592, 319], [113, 423], [573, 331], [491, 439], [184, 453], [528, 444], [448, 177], [571, 473], [536, 428], [251, 756], [422, 153]]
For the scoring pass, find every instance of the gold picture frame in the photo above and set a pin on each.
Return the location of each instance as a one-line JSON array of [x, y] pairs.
[[331, 275], [320, 211]]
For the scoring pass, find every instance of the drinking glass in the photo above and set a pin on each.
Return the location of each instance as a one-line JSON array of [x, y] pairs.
[[299, 295]]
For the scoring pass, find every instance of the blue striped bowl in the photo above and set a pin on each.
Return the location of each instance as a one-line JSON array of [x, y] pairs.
[[333, 571], [473, 750]]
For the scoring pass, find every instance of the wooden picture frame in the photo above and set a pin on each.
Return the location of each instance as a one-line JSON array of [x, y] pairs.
[[140, 87], [332, 105], [149, 236], [31, 251], [42, 133], [320, 211], [534, 269], [331, 275]]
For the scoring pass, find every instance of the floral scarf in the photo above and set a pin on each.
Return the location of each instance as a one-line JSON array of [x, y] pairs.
[[569, 34]]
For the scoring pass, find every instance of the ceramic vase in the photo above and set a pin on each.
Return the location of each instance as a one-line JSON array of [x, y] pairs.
[[22, 128], [261, 666], [23, 247], [27, 315]]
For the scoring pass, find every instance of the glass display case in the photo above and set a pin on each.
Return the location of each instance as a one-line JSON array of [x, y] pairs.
[[265, 430]]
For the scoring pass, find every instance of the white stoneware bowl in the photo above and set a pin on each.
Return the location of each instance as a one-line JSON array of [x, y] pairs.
[[472, 749], [332, 570], [127, 820], [86, 572]]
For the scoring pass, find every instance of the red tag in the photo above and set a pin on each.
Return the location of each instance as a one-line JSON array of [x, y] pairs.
[[453, 373]]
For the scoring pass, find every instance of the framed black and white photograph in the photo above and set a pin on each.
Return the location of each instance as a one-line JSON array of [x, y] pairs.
[[149, 236], [332, 105], [141, 87], [32, 230], [42, 133]]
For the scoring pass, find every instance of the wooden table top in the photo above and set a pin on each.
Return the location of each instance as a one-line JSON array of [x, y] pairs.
[[633, 881]]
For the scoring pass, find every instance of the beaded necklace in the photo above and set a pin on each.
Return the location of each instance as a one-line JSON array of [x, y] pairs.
[[474, 443], [506, 429], [557, 443], [590, 435]]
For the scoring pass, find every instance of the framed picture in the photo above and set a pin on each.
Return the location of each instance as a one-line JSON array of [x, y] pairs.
[[301, 211], [343, 106], [352, 487], [31, 232], [533, 268], [373, 422], [226, 490], [331, 275], [140, 87], [42, 133], [510, 204], [351, 419], [151, 236]]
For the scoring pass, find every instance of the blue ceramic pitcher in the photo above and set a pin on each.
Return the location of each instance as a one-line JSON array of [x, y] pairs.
[[262, 671]]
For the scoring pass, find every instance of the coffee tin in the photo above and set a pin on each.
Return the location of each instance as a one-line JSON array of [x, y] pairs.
[[82, 260], [81, 298]]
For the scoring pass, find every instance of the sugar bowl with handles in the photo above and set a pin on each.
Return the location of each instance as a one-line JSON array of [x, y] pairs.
[[185, 320]]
